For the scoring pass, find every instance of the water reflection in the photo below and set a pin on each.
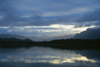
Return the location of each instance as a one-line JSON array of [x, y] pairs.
[[46, 55]]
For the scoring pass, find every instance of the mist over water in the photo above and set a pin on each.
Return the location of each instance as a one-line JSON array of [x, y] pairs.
[[37, 56]]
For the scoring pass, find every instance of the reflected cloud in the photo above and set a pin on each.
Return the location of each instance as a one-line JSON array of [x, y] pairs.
[[45, 55]]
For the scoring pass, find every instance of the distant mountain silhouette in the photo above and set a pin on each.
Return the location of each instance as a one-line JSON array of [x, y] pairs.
[[88, 34], [49, 38], [14, 40], [35, 38], [12, 36]]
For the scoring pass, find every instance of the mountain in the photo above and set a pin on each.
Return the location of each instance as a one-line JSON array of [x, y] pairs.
[[35, 38], [14, 40], [88, 34], [12, 36], [48, 37]]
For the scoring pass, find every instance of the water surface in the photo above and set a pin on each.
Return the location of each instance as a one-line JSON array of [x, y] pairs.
[[41, 56]]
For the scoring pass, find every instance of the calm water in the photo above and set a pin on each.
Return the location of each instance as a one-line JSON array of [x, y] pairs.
[[48, 57]]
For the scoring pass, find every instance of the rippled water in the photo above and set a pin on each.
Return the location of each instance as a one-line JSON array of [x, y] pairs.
[[41, 56]]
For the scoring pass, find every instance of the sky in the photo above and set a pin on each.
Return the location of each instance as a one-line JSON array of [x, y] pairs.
[[48, 17]]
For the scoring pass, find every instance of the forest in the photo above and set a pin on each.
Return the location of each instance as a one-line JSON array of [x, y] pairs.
[[60, 43]]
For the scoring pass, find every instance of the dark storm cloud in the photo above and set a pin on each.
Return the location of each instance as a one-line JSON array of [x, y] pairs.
[[97, 23], [88, 19], [4, 5], [56, 7], [90, 16], [39, 21], [85, 19], [10, 16]]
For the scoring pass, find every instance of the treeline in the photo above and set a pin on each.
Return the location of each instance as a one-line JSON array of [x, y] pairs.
[[74, 41], [60, 41], [62, 44]]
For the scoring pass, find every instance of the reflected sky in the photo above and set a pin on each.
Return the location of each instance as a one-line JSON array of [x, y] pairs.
[[45, 55]]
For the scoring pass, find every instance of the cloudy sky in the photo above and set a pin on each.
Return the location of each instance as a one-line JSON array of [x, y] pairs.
[[48, 17]]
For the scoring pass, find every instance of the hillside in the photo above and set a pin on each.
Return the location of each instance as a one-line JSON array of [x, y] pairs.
[[12, 36], [88, 34]]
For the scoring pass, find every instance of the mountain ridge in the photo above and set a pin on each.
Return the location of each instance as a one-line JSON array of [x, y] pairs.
[[88, 34], [13, 36]]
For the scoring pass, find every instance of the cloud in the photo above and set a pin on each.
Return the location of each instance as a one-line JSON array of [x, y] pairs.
[[18, 14], [12, 13], [55, 8], [90, 16], [38, 20], [97, 23], [4, 5], [10, 16], [40, 30], [3, 30]]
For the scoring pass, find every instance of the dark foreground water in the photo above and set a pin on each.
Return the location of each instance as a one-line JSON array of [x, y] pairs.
[[48, 57]]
